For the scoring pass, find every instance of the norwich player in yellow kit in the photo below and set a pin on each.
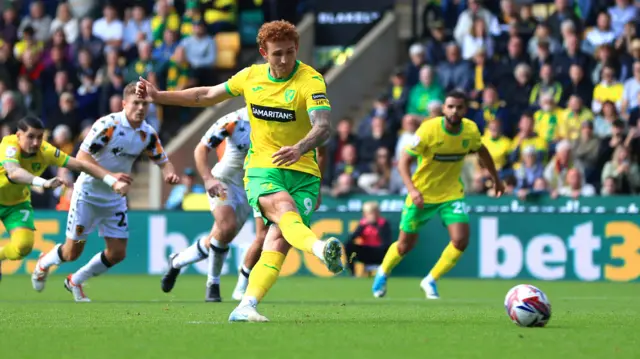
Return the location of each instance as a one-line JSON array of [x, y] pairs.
[[23, 158], [289, 113], [440, 146]]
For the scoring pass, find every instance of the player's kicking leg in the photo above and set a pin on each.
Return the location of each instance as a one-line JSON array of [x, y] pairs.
[[459, 234], [251, 257]]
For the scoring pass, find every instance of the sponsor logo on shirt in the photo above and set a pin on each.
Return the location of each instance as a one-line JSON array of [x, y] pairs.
[[449, 157], [272, 113], [319, 96]]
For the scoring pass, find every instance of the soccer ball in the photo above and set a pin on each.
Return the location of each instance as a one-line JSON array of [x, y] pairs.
[[527, 306]]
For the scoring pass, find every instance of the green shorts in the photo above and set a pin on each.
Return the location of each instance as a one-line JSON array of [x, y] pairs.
[[450, 212], [17, 216], [303, 188]]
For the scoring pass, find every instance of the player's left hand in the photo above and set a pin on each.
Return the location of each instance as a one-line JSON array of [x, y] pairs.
[[286, 156], [172, 178], [498, 187], [124, 177]]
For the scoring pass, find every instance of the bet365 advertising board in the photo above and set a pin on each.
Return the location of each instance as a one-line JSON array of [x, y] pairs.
[[585, 240]]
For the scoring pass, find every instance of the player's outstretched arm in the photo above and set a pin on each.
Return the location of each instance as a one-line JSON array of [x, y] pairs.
[[193, 97], [17, 174], [487, 162], [120, 182]]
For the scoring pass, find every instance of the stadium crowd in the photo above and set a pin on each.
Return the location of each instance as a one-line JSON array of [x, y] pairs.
[[556, 98]]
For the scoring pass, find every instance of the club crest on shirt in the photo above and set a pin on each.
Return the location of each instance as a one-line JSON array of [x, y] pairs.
[[465, 143], [36, 166], [79, 230], [10, 152], [289, 95]]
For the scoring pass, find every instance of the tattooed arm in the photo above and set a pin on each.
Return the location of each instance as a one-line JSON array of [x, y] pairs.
[[320, 132], [193, 97]]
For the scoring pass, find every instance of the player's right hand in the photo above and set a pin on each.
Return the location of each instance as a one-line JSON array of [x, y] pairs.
[[214, 188], [53, 183], [121, 187], [145, 90], [123, 177], [417, 199]]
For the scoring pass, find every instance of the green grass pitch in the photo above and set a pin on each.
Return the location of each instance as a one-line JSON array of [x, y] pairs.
[[313, 318]]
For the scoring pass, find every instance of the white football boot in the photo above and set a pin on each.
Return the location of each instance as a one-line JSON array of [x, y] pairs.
[[76, 290], [430, 288], [39, 276]]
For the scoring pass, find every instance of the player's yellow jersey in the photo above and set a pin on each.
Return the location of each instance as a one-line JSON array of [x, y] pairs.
[[279, 112], [13, 193], [440, 157]]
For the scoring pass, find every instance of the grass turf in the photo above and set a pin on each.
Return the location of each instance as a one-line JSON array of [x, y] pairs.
[[312, 318]]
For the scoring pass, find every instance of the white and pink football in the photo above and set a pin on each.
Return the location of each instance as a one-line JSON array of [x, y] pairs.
[[527, 306]]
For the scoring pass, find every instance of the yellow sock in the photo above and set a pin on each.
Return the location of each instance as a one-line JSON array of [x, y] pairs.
[[447, 260], [296, 233], [20, 246], [264, 274], [391, 259]]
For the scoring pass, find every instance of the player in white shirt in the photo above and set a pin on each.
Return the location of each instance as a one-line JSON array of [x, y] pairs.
[[115, 141], [230, 136]]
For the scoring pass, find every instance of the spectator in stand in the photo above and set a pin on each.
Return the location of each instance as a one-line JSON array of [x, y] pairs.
[[397, 95], [380, 109], [483, 70], [607, 90], [435, 109], [191, 15], [602, 34], [115, 103], [578, 85], [416, 62], [507, 64], [378, 137], [571, 119], [491, 109], [58, 41], [342, 137], [378, 179], [30, 96], [88, 97], [572, 55], [177, 70], [517, 90], [526, 23], [524, 138], [87, 40], [62, 138], [31, 67], [477, 38], [556, 170], [61, 84], [630, 91], [201, 53], [543, 57], [575, 186], [547, 118], [179, 192], [165, 18], [621, 14], [38, 20], [530, 171], [370, 240], [609, 144], [428, 89], [64, 20], [634, 113], [499, 146], [166, 49], [563, 12], [609, 187], [624, 172], [455, 73], [568, 30], [137, 30], [28, 42], [350, 164], [9, 26], [11, 112], [465, 21], [410, 124], [437, 44], [586, 149], [143, 65], [65, 115], [109, 28], [630, 57], [604, 121], [344, 185], [547, 86], [86, 66], [542, 34]]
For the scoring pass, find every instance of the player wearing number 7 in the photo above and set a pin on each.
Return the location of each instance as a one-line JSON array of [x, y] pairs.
[[440, 146], [23, 158], [115, 141]]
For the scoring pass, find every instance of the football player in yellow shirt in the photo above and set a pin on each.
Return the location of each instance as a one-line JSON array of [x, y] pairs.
[[289, 113], [23, 158], [439, 145]]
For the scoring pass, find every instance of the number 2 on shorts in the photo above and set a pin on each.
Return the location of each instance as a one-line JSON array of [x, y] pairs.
[[122, 216], [459, 208]]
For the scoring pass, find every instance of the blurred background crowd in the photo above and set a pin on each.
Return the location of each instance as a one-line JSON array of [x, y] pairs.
[[554, 86], [555, 94]]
